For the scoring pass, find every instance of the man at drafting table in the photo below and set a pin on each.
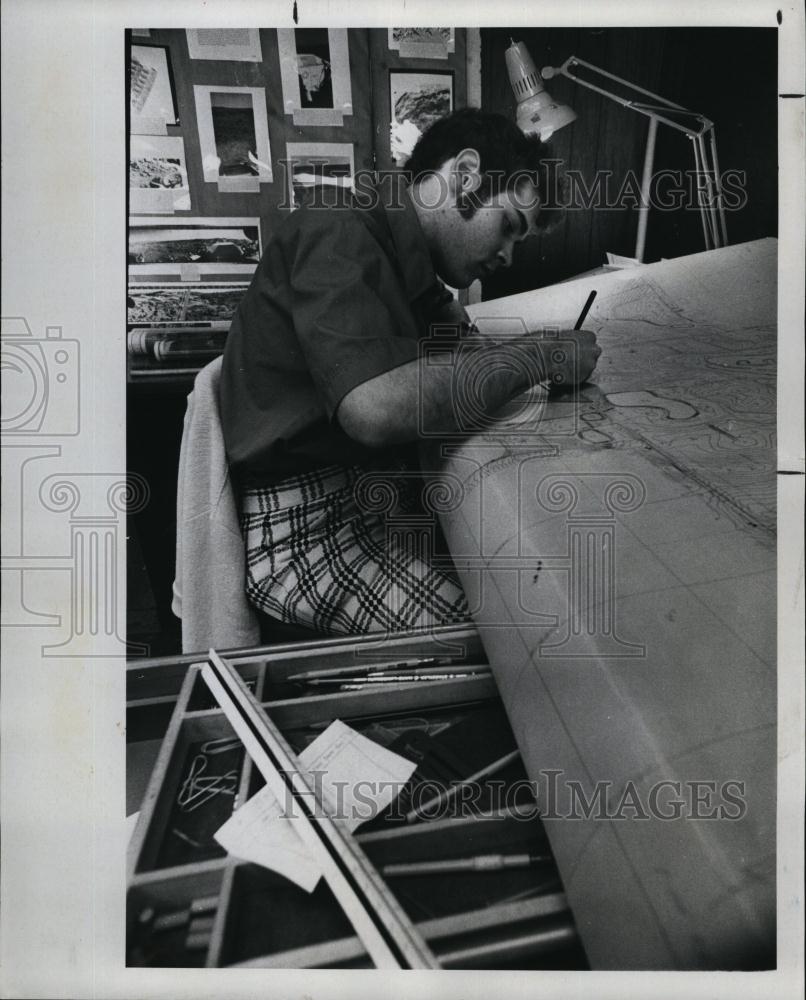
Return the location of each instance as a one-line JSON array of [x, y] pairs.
[[322, 379]]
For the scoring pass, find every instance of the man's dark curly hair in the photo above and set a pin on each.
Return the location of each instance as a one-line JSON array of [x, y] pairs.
[[504, 153]]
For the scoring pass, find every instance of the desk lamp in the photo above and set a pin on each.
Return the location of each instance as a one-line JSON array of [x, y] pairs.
[[538, 113]]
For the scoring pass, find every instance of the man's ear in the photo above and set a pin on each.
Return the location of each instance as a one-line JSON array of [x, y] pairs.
[[465, 172]]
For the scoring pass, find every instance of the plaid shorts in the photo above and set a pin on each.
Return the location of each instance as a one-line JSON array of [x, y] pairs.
[[317, 556]]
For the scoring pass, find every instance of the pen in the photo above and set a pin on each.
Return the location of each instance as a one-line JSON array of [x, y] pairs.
[[446, 796], [360, 683], [357, 668], [585, 310], [383, 678], [546, 383], [477, 863]]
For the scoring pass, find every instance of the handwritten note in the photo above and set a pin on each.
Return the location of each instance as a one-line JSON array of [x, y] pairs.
[[354, 779]]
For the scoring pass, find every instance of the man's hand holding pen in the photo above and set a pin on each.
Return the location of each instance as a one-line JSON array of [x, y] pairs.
[[573, 357], [568, 357]]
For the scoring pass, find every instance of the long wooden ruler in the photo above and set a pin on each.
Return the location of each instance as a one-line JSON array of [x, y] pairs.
[[384, 929]]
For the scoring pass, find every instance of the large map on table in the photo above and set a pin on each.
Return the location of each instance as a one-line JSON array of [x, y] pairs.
[[687, 370], [617, 546]]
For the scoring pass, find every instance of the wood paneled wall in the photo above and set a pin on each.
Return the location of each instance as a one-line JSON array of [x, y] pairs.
[[729, 75]]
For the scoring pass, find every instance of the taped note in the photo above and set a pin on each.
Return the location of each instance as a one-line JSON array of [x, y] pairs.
[[189, 272], [238, 185]]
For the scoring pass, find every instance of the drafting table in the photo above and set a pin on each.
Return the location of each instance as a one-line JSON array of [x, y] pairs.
[[617, 545]]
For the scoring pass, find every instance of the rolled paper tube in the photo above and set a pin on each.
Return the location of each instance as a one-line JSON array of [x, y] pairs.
[[171, 350], [146, 341], [392, 666], [138, 341]]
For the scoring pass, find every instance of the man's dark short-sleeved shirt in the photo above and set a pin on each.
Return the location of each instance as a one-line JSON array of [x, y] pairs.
[[341, 295]]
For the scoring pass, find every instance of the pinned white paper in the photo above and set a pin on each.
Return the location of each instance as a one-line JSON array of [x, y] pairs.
[[159, 202], [356, 779], [225, 44]]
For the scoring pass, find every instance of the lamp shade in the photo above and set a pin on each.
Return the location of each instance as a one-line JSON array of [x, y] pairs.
[[537, 112]]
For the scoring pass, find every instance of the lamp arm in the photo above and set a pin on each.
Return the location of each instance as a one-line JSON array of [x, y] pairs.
[[712, 209], [573, 61], [655, 111], [642, 107]]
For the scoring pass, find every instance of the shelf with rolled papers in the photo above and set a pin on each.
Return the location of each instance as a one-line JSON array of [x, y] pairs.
[[172, 352]]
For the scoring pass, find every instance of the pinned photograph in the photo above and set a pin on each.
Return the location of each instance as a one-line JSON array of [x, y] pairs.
[[234, 136], [208, 246], [416, 101], [315, 71], [313, 166], [422, 43], [314, 76], [151, 96], [225, 44], [158, 180], [176, 304]]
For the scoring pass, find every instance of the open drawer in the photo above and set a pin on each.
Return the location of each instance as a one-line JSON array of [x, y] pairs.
[[190, 904]]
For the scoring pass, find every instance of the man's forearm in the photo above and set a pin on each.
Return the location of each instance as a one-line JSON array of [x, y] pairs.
[[482, 378], [445, 391]]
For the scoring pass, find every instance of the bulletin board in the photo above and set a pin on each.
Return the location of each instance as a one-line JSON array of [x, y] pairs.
[[226, 127]]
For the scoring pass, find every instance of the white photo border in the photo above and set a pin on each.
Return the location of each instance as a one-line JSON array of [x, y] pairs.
[[160, 200], [202, 94]]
